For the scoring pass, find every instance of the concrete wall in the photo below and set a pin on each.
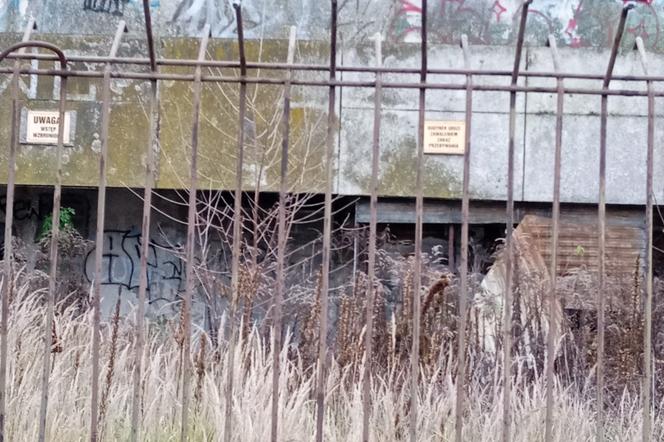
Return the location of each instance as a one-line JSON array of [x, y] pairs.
[[535, 130], [578, 23], [442, 175]]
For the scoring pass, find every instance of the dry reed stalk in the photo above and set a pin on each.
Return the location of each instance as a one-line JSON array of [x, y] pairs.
[[178, 334], [437, 289], [356, 326], [17, 358], [635, 343], [200, 368], [56, 347], [309, 334], [178, 337], [12, 287], [248, 288], [403, 328], [406, 308], [110, 366], [392, 353], [624, 335], [637, 294], [517, 320], [380, 336], [477, 330], [434, 319], [344, 325], [77, 361]]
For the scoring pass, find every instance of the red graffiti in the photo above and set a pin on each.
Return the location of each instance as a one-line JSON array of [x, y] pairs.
[[407, 6], [498, 9], [577, 22]]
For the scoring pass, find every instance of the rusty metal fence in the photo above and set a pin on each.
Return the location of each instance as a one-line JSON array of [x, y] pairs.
[[16, 52]]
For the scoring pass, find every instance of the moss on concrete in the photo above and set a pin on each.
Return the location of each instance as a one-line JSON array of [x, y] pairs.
[[129, 124]]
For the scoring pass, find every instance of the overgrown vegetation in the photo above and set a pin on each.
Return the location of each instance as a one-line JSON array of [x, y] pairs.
[[66, 223], [575, 405]]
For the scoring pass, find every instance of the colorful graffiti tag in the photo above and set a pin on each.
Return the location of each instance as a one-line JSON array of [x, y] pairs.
[[576, 23]]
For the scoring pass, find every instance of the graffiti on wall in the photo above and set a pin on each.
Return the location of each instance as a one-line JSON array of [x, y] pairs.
[[576, 23], [115, 7], [36, 209], [16, 8], [121, 265], [26, 84], [259, 17], [23, 209], [193, 15]]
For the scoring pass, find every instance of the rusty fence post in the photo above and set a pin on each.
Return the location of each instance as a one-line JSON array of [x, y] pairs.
[[281, 246], [327, 232], [191, 237], [99, 241], [463, 272], [601, 292], [145, 230], [419, 214], [237, 228], [647, 332], [371, 258], [450, 248], [509, 230], [53, 260], [555, 213], [9, 218]]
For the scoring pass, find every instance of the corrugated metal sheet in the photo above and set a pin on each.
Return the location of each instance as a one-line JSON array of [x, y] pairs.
[[578, 244], [577, 259]]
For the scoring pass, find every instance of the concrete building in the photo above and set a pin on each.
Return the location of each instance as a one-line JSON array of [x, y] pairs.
[[584, 30]]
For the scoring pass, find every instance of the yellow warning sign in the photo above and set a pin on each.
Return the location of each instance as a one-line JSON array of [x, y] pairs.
[[444, 137]]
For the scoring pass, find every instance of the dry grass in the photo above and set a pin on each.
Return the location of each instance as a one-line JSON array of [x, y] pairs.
[[162, 361], [70, 387]]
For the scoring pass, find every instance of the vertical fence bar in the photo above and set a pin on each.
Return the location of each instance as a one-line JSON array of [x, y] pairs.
[[53, 259], [450, 247], [419, 214], [509, 228], [281, 246], [327, 232], [9, 218], [371, 258], [145, 250], [149, 36], [465, 210], [647, 332], [552, 298], [8, 275], [237, 227], [145, 230], [99, 240], [601, 301], [191, 237]]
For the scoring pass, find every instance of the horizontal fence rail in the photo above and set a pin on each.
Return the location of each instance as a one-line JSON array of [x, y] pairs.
[[469, 79]]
